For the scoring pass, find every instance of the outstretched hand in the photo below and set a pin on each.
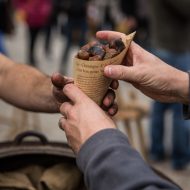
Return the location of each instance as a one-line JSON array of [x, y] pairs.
[[59, 82], [82, 117], [108, 103], [148, 73]]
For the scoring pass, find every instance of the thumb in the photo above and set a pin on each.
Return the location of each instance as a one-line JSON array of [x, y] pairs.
[[74, 93], [119, 72], [59, 81]]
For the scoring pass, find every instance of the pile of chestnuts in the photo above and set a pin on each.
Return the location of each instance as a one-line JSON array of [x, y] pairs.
[[101, 50]]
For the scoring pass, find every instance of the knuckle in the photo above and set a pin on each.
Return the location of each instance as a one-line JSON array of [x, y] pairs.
[[67, 87], [121, 74], [72, 114], [62, 107], [65, 127]]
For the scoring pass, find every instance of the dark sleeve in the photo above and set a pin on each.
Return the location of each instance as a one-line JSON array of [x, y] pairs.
[[109, 162], [186, 111]]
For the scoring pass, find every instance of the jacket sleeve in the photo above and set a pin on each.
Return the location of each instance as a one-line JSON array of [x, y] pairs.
[[109, 162]]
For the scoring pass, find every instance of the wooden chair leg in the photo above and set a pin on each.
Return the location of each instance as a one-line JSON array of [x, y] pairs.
[[128, 131]]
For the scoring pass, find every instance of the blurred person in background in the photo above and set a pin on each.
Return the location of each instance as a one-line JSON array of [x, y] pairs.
[[137, 13], [52, 26], [129, 9], [36, 14], [170, 31], [48, 31], [6, 22], [75, 27], [106, 15], [143, 30]]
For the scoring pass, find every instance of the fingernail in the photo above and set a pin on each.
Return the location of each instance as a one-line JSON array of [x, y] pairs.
[[108, 70]]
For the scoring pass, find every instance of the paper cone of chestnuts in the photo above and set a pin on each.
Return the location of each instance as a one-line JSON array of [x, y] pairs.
[[90, 61]]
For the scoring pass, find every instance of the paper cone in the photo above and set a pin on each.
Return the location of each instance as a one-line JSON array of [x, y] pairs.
[[88, 75]]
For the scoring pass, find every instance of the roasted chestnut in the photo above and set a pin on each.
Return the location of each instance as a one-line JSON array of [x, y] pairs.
[[101, 50]]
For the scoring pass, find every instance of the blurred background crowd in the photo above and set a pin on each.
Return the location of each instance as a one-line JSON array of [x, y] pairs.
[[47, 33]]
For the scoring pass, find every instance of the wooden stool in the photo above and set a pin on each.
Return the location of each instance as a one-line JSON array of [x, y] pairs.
[[135, 112]]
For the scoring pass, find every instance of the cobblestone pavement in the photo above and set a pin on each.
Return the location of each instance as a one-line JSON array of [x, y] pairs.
[[13, 120]]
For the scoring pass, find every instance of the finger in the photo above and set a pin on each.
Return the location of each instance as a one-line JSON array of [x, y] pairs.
[[134, 49], [114, 84], [109, 35], [135, 54], [113, 109], [65, 109], [119, 72], [61, 122], [109, 98], [59, 95], [60, 81], [74, 93]]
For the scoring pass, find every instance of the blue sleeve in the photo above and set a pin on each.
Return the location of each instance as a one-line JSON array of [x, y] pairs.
[[110, 163]]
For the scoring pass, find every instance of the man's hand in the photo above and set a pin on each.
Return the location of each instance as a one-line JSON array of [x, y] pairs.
[[148, 73], [82, 117], [59, 82], [108, 103]]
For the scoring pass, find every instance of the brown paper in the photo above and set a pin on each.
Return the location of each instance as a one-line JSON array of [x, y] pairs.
[[88, 75]]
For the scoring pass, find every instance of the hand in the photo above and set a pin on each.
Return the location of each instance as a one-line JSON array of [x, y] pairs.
[[108, 103], [59, 82], [148, 73], [82, 117]]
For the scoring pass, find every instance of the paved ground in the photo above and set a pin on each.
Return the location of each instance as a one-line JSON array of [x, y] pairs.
[[13, 121]]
